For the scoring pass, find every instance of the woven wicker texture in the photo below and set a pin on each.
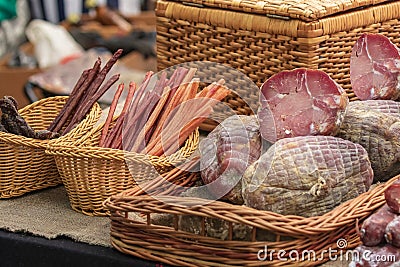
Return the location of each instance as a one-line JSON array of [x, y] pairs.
[[300, 9], [24, 166], [91, 173], [260, 46], [173, 243]]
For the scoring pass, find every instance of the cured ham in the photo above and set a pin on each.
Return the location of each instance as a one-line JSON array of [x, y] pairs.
[[226, 153], [300, 102], [307, 175], [375, 68]]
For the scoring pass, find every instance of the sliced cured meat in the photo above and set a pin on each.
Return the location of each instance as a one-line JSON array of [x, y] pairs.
[[300, 102], [374, 68], [307, 175]]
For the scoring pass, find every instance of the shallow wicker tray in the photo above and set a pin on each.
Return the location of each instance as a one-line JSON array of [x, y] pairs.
[[24, 166], [91, 173], [173, 244]]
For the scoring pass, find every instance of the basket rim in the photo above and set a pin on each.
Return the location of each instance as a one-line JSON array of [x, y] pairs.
[[304, 10], [348, 212], [37, 143], [317, 29], [78, 151]]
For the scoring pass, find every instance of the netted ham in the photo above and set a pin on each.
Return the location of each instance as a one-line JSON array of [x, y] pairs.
[[307, 175], [379, 134], [226, 153], [375, 68], [389, 107], [300, 102]]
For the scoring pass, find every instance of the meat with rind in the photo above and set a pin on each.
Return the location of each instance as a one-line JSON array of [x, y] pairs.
[[307, 175], [389, 107], [226, 153], [379, 134]]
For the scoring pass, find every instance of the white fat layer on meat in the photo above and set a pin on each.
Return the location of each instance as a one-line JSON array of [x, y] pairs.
[[312, 128], [316, 109], [306, 84], [372, 91], [337, 99], [366, 50], [281, 96], [287, 131]]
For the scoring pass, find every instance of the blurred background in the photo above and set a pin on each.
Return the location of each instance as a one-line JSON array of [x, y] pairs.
[[46, 44]]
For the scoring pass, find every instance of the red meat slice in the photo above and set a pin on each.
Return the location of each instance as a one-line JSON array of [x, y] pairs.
[[374, 68], [300, 102]]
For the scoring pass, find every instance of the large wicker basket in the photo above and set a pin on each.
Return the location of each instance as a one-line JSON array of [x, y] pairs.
[[261, 38], [91, 173], [328, 236], [24, 166]]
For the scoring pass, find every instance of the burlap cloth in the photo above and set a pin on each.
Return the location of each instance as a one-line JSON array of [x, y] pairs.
[[47, 213]]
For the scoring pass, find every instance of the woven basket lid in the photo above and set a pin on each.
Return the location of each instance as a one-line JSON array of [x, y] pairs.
[[306, 10]]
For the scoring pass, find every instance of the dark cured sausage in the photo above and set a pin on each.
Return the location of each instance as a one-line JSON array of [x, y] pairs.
[[392, 232], [392, 196], [300, 102], [372, 231]]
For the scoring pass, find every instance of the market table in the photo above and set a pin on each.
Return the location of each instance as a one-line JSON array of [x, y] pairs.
[[21, 249], [40, 229]]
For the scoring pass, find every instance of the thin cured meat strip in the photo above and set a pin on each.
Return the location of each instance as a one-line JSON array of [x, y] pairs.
[[375, 68], [300, 102]]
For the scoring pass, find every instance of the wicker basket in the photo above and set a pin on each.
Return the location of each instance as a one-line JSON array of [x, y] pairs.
[[261, 38], [172, 243], [91, 173], [24, 166]]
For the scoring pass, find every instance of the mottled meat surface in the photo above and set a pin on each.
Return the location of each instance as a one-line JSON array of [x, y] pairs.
[[307, 175], [300, 102], [374, 68]]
